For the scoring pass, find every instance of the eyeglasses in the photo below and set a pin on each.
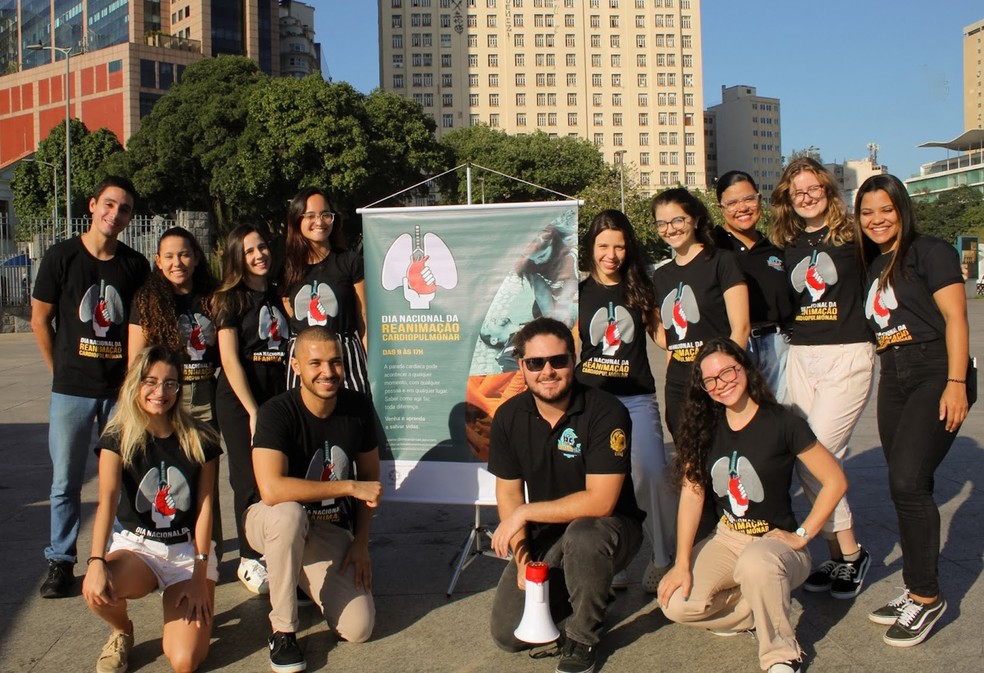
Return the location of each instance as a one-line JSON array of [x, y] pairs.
[[733, 205], [170, 386], [311, 218], [562, 361], [726, 375], [814, 191], [678, 222]]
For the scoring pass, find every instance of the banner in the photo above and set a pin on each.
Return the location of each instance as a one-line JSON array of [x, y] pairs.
[[446, 289]]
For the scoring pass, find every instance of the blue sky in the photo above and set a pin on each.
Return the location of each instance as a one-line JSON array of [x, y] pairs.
[[846, 72]]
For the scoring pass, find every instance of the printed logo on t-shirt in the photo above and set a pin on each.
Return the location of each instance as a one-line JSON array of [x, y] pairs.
[[273, 328], [569, 444], [878, 307], [198, 333], [611, 328], [102, 307], [775, 263], [736, 478], [679, 309], [315, 303], [329, 463], [815, 274], [163, 492]]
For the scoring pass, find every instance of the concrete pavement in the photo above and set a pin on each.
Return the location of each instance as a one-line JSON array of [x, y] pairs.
[[419, 629]]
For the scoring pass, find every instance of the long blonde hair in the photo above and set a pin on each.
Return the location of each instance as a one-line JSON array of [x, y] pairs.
[[787, 225], [129, 421]]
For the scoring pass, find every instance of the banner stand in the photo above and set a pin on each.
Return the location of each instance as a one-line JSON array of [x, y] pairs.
[[472, 548]]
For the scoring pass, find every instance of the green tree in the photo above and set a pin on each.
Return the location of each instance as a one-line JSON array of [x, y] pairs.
[[606, 192], [951, 214]]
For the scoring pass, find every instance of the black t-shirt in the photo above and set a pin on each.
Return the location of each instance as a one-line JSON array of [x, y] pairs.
[[770, 298], [91, 299], [593, 437], [826, 280], [201, 354], [751, 469], [691, 301], [263, 332], [321, 449], [326, 295], [905, 311], [613, 342], [159, 491]]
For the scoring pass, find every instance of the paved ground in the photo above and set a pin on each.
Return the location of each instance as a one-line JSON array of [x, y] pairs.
[[419, 629]]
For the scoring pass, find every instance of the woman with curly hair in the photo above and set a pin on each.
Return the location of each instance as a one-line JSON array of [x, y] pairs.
[[171, 309], [700, 294], [157, 473], [738, 446], [324, 283], [617, 309], [831, 357], [252, 334]]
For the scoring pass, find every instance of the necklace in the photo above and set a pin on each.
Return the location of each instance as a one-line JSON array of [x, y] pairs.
[[814, 237]]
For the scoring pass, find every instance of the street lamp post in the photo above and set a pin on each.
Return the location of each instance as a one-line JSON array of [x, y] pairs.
[[67, 51], [54, 182]]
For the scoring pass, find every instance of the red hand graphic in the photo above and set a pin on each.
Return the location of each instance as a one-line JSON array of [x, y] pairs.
[[164, 503], [326, 473], [679, 317], [316, 310], [195, 338], [737, 492], [415, 277], [102, 314], [814, 279], [274, 328], [879, 307], [612, 336]]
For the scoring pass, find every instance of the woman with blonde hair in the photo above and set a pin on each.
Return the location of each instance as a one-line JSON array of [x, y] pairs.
[[831, 356], [157, 471]]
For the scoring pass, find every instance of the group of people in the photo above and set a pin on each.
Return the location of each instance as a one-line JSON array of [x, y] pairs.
[[770, 340], [168, 365]]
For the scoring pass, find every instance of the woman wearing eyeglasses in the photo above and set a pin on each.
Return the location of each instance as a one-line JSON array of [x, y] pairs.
[[157, 472], [616, 309], [770, 300], [917, 307], [324, 283], [831, 357], [700, 294], [737, 446]]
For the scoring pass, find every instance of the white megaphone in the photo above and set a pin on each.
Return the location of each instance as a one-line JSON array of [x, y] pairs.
[[537, 626]]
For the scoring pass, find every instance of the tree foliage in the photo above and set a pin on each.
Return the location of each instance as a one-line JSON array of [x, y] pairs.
[[606, 192], [952, 213]]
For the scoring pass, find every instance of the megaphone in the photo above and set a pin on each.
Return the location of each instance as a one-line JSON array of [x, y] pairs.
[[537, 626]]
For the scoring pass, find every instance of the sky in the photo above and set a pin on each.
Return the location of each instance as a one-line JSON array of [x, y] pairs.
[[846, 72]]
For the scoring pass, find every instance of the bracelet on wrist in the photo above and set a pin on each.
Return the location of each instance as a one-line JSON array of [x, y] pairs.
[[96, 558], [956, 381]]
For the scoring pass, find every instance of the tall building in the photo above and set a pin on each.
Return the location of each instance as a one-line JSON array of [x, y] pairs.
[[126, 54], [623, 74], [743, 133], [973, 51], [300, 55], [851, 173]]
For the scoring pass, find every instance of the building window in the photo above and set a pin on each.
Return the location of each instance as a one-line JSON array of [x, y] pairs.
[[571, 60], [642, 80], [493, 80], [688, 61], [643, 119], [473, 100], [616, 79], [595, 60], [493, 60], [520, 79], [571, 79], [688, 100], [572, 119], [572, 99], [447, 120], [397, 21], [520, 60], [596, 79], [494, 120], [520, 100], [598, 119], [518, 40], [613, 21], [644, 158], [447, 100], [615, 41], [397, 81], [397, 60], [398, 42], [616, 60], [472, 21], [472, 80], [552, 119], [617, 99], [617, 119], [520, 119], [551, 79], [473, 120], [644, 139], [493, 40], [472, 60], [641, 60], [541, 119], [596, 100], [493, 100], [641, 41], [599, 139], [617, 139], [568, 20], [490, 21]]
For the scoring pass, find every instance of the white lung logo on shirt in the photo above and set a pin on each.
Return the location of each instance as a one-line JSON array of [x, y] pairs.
[[879, 304], [679, 309], [328, 464], [737, 479], [273, 326], [198, 333], [315, 302], [814, 274], [611, 328], [102, 306], [164, 493]]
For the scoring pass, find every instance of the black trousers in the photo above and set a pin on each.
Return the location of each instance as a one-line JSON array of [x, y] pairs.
[[915, 442]]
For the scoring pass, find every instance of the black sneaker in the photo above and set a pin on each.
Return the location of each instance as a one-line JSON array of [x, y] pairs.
[[889, 613], [285, 654], [60, 579], [915, 622], [576, 657], [849, 576], [821, 578]]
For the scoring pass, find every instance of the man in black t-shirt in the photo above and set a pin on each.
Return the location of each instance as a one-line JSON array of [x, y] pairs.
[[85, 285], [317, 468], [568, 446]]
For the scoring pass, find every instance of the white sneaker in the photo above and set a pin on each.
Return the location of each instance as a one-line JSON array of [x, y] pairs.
[[253, 575]]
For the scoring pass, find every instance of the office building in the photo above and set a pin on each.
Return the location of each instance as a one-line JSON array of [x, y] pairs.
[[743, 133], [851, 173], [973, 64], [623, 74], [300, 55]]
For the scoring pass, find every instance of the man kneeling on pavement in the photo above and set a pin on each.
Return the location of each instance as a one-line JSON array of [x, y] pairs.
[[568, 445], [307, 442]]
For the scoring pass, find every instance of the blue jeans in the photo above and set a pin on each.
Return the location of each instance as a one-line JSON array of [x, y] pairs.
[[768, 353], [70, 422]]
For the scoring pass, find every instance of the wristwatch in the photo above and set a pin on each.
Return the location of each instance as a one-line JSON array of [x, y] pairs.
[[201, 557], [801, 532]]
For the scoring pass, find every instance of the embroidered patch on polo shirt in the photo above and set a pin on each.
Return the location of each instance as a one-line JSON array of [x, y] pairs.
[[617, 441], [569, 444]]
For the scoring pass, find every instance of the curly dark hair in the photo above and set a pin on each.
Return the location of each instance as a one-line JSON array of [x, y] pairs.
[[155, 298], [298, 247], [639, 290], [701, 415]]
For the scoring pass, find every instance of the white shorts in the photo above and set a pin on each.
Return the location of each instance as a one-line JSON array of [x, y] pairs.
[[170, 563]]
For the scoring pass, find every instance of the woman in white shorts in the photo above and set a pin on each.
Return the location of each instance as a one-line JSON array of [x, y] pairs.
[[157, 471]]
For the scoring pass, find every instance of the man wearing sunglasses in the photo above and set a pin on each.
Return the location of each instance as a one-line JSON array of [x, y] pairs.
[[568, 447]]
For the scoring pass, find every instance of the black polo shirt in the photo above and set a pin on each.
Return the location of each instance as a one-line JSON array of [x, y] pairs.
[[593, 437], [770, 297]]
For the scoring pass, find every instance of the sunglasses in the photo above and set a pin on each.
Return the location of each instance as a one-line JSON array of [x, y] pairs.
[[556, 362]]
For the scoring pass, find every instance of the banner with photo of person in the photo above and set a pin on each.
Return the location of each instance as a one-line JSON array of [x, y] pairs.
[[446, 289]]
